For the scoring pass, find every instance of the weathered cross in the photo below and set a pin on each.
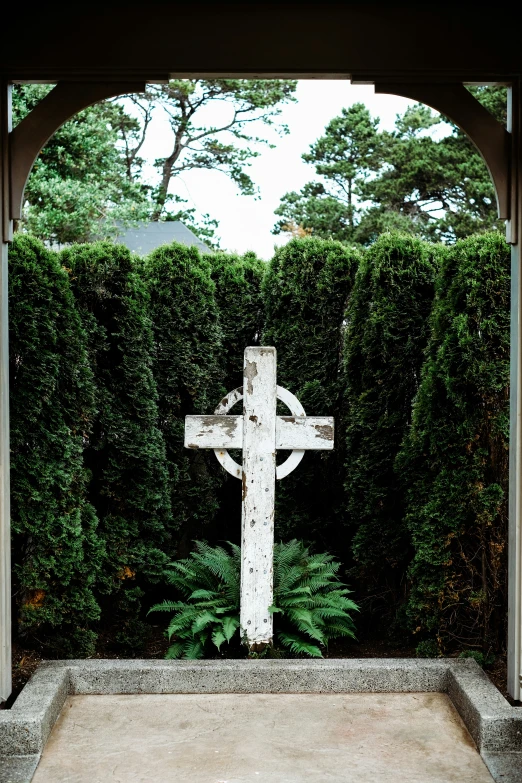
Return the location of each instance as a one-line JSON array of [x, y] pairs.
[[259, 432]]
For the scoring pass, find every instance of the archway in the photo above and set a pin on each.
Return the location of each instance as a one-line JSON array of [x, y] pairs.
[[501, 152]]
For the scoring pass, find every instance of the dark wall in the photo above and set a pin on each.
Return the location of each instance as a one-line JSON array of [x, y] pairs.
[[366, 40]]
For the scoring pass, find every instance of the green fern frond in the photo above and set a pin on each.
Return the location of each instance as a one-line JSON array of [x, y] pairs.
[[202, 620], [193, 650], [310, 602], [230, 625], [297, 644], [202, 594], [166, 606], [218, 637], [175, 651]]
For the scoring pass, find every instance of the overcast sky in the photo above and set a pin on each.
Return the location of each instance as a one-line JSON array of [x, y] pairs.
[[244, 222]]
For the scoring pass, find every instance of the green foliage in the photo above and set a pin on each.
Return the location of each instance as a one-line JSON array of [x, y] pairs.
[[87, 177], [57, 550], [427, 649], [454, 460], [198, 145], [413, 179], [187, 368], [385, 336], [238, 295], [480, 658], [423, 174], [209, 582], [305, 290], [125, 452], [345, 156], [310, 603], [80, 184]]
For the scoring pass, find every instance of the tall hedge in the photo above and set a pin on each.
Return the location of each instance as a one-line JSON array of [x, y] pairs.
[[188, 373], [385, 337], [238, 282], [238, 296], [125, 453], [57, 549], [305, 290], [455, 459]]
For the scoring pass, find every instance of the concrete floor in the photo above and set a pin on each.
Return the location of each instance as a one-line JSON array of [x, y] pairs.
[[274, 738]]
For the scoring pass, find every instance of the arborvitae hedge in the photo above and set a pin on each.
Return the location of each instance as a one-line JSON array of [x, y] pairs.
[[188, 373], [305, 291], [57, 552], [454, 462], [238, 295], [125, 453], [386, 333], [100, 387]]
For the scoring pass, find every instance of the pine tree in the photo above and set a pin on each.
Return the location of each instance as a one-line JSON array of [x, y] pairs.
[[188, 372], [455, 459], [385, 337], [305, 291], [126, 451], [57, 550]]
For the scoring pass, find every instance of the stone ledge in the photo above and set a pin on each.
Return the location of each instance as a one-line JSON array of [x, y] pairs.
[[24, 728], [504, 767], [246, 676], [18, 769], [494, 725], [492, 722]]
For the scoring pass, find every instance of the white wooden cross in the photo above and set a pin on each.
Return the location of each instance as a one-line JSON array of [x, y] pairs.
[[259, 432]]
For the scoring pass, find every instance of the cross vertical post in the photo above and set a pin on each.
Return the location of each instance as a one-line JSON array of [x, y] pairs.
[[259, 433], [258, 481]]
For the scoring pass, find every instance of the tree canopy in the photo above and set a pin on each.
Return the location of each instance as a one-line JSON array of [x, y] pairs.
[[79, 186], [89, 175], [413, 178]]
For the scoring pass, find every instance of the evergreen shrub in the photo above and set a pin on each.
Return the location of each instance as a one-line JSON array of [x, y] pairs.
[[57, 551], [125, 452], [188, 371], [305, 290], [238, 296], [454, 461], [387, 327], [238, 282]]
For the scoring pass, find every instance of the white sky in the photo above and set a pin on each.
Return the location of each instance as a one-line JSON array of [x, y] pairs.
[[245, 222]]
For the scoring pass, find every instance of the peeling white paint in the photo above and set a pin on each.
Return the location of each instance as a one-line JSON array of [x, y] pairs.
[[292, 432], [259, 433]]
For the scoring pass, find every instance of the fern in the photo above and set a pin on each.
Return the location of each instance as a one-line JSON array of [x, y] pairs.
[[311, 605]]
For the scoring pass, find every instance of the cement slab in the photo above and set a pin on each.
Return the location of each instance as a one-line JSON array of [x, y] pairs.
[[280, 738]]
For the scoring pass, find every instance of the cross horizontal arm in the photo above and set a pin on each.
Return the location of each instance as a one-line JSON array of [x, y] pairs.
[[292, 432], [213, 432], [305, 432]]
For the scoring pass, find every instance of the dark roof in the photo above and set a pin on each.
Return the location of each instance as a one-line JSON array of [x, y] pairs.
[[148, 236]]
